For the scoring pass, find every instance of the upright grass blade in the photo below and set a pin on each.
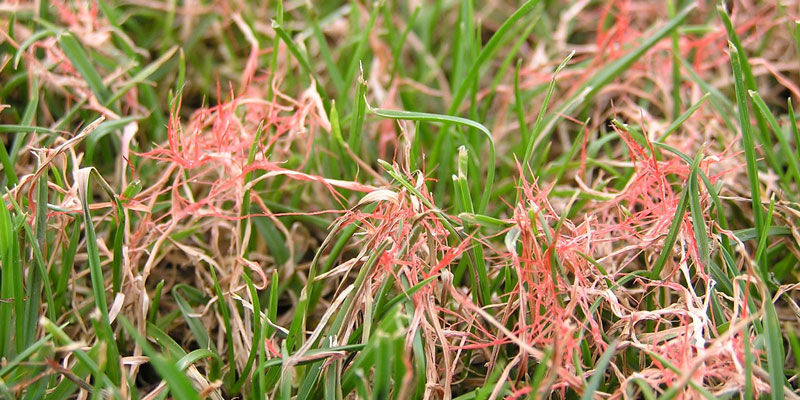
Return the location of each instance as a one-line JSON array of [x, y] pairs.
[[771, 325], [398, 47], [487, 52], [361, 46], [675, 227], [301, 59], [67, 260], [502, 71], [359, 114], [152, 314], [82, 62], [795, 130], [88, 360], [538, 126], [38, 279], [796, 35], [599, 371], [222, 306], [257, 327], [747, 138], [683, 117], [96, 274], [27, 118], [698, 220], [195, 326], [789, 156], [445, 119], [604, 76], [749, 79], [463, 38], [11, 274], [178, 382], [479, 266], [523, 125], [10, 178], [325, 52], [721, 103], [142, 75], [676, 66]]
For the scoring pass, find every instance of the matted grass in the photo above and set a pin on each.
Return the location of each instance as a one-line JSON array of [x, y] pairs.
[[435, 200]]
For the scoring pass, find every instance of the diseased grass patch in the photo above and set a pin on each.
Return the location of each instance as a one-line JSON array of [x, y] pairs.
[[469, 200]]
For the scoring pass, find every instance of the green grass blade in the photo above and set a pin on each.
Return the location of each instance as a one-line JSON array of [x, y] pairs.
[[789, 156], [487, 52], [793, 125], [446, 119], [607, 74], [675, 227], [747, 138], [82, 62], [683, 117], [698, 220], [775, 354], [300, 57], [359, 114], [747, 71], [96, 273], [599, 371], [361, 46], [538, 126], [142, 75], [178, 382]]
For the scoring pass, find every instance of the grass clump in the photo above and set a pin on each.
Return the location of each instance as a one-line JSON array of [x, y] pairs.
[[344, 199]]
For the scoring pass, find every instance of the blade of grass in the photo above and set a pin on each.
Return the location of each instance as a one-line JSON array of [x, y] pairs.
[[86, 359], [445, 119], [67, 262], [604, 76], [195, 326], [82, 62], [11, 274], [523, 125], [487, 52], [301, 59], [222, 307], [38, 279], [676, 67], [599, 372], [96, 272], [675, 227], [325, 52], [361, 46], [251, 358], [775, 354], [749, 79], [142, 75], [683, 117], [538, 126], [152, 313], [178, 382], [359, 114], [479, 266], [789, 155], [771, 327], [747, 138], [698, 220], [27, 118], [793, 125]]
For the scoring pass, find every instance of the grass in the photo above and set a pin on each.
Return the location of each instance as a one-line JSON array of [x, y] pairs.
[[381, 200]]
